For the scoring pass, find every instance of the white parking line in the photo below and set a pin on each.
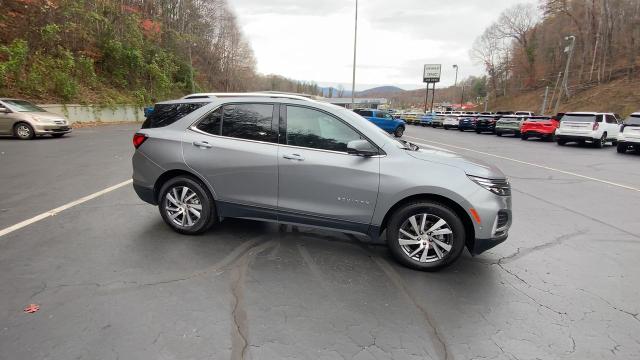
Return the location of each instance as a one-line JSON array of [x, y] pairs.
[[62, 208], [530, 164]]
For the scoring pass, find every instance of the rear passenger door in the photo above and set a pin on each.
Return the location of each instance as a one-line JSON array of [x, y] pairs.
[[613, 128], [235, 148]]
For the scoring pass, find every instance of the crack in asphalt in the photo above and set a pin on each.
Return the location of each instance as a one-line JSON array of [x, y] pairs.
[[521, 252], [399, 283], [635, 316], [577, 213], [239, 270]]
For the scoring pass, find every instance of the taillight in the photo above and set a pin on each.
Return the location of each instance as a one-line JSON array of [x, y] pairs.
[[596, 126], [138, 139]]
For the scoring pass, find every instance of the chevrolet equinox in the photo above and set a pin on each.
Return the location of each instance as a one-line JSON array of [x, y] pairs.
[[292, 160]]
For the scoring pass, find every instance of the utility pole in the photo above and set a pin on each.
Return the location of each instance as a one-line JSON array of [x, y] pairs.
[[433, 96], [355, 44], [553, 94], [565, 78], [455, 83], [426, 98], [462, 98], [544, 103]]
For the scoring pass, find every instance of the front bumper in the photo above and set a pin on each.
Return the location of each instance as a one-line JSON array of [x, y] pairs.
[[45, 129], [482, 245], [485, 128]]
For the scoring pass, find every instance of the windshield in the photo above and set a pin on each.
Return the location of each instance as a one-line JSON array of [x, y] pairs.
[[579, 117], [633, 120], [23, 106]]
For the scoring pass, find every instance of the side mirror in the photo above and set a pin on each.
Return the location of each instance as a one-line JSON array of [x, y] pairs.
[[4, 110], [361, 148]]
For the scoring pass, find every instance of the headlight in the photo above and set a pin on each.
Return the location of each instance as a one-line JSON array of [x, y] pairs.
[[42, 120], [497, 186]]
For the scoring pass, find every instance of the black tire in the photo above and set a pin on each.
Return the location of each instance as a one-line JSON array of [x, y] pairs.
[[600, 142], [23, 131], [524, 136], [456, 239], [460, 130], [478, 131], [622, 148], [561, 142], [551, 138], [208, 215], [399, 131], [498, 133], [445, 127], [57, 135]]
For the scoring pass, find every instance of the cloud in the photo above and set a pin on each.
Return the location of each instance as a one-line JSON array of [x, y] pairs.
[[313, 40]]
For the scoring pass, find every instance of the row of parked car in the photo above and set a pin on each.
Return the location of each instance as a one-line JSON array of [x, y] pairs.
[[595, 128]]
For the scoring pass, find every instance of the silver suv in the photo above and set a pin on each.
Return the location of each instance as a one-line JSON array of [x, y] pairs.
[[292, 160]]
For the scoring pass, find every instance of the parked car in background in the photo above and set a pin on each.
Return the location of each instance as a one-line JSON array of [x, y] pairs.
[[25, 120], [412, 118], [451, 121], [542, 127], [592, 127], [438, 120], [486, 123], [504, 112], [383, 120], [524, 113], [509, 124], [467, 122], [427, 119], [629, 136]]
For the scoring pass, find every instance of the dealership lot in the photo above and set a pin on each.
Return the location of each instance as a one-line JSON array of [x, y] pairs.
[[113, 281]]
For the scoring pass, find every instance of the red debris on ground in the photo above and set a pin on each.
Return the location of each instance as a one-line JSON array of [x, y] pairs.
[[32, 308]]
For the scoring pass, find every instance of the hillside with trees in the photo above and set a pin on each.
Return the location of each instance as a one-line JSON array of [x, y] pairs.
[[527, 49], [126, 51]]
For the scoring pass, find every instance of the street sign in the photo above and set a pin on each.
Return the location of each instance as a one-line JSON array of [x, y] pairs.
[[431, 73]]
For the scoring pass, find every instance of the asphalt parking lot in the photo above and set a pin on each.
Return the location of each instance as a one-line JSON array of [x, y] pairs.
[[113, 282]]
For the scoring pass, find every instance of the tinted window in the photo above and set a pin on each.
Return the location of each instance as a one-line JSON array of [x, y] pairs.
[[249, 121], [315, 129], [581, 117], [611, 119], [633, 120], [212, 123], [364, 113], [167, 114]]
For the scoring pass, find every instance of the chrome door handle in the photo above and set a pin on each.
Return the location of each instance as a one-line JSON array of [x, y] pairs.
[[293, 157], [202, 144]]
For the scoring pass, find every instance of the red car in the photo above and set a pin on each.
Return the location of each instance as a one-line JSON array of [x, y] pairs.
[[542, 127]]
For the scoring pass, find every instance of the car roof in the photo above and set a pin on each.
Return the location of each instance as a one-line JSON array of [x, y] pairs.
[[588, 113], [10, 99], [185, 101]]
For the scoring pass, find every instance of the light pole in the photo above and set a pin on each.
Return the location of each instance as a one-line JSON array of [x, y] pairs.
[[462, 98], [565, 79], [455, 83], [355, 43]]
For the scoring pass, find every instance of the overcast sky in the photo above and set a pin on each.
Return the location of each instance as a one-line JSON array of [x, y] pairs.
[[313, 39]]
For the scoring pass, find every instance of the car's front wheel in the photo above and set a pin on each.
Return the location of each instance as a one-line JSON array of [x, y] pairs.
[[622, 148], [23, 131], [426, 235], [399, 131], [186, 206]]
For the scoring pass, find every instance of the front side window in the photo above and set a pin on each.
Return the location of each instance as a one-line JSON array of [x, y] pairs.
[[317, 130], [249, 121]]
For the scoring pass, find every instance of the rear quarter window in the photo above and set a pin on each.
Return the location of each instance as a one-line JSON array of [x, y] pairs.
[[166, 114]]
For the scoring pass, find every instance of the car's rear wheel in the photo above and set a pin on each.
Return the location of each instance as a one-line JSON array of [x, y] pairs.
[[23, 131], [477, 131], [445, 127], [561, 142], [187, 206], [601, 142], [425, 235], [498, 133], [399, 132], [622, 148], [524, 136]]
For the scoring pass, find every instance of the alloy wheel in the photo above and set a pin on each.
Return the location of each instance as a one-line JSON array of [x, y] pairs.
[[23, 131], [183, 206], [425, 238]]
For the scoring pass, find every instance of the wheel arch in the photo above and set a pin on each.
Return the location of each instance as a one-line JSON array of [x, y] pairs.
[[170, 174], [459, 210]]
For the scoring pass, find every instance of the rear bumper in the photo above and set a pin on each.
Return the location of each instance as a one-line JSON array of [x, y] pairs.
[[506, 130], [465, 126], [537, 132], [145, 194], [575, 137], [485, 128]]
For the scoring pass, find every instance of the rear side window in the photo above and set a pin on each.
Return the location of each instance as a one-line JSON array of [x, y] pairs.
[[611, 119], [633, 120], [249, 121], [166, 114], [212, 122]]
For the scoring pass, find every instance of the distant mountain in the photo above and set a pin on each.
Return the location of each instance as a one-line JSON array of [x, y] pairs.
[[380, 91]]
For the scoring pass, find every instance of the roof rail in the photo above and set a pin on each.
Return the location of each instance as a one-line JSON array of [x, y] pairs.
[[263, 94]]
